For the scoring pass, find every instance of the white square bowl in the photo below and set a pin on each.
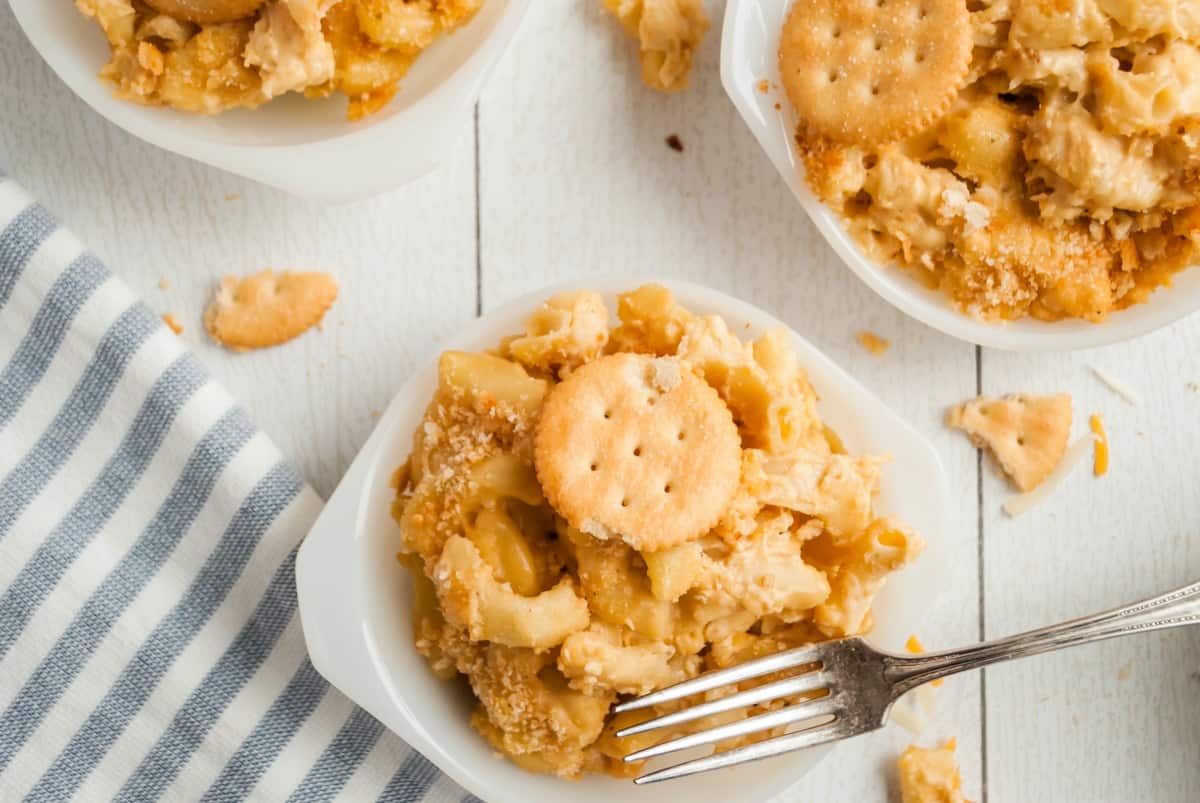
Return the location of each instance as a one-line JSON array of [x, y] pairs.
[[304, 147], [749, 54], [355, 597]]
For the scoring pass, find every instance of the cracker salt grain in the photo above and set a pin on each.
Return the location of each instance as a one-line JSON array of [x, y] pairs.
[[874, 71], [1026, 434], [268, 308], [640, 448]]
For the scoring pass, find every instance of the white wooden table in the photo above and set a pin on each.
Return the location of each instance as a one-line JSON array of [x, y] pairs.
[[566, 174]]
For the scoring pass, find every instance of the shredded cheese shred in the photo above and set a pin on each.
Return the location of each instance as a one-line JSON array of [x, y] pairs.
[[1117, 386], [1100, 459], [914, 646]]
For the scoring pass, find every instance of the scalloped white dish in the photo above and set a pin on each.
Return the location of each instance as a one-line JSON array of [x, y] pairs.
[[304, 147], [355, 597], [749, 54]]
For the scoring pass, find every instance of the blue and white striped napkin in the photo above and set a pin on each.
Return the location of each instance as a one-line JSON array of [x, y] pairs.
[[149, 642]]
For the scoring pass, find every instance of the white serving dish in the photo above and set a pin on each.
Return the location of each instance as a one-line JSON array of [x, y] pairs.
[[301, 146], [354, 596], [749, 51]]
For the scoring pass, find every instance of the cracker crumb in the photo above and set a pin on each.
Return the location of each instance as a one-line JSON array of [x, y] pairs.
[[954, 202], [976, 216], [172, 322], [675, 143], [375, 413], [1125, 671], [764, 86], [778, 106], [233, 196], [873, 343], [1026, 434], [163, 284]]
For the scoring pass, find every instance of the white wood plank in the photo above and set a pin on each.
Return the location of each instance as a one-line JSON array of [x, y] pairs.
[[1117, 721], [406, 260], [576, 180]]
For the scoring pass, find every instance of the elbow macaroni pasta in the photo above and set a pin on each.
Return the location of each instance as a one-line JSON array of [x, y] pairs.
[[550, 625]]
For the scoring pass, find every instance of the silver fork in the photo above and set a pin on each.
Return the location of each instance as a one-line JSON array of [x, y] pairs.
[[861, 684]]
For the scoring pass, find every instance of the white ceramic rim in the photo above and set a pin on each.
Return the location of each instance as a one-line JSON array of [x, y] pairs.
[[340, 611], [749, 45]]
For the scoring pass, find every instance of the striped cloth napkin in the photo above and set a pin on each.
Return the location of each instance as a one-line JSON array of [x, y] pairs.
[[149, 642]]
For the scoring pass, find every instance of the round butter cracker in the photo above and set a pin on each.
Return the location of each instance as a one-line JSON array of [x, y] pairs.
[[268, 308], [868, 72], [639, 448]]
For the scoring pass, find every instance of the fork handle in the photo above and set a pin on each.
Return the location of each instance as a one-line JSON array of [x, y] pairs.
[[1173, 609]]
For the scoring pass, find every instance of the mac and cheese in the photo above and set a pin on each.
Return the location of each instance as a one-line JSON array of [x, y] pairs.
[[1064, 180], [550, 624]]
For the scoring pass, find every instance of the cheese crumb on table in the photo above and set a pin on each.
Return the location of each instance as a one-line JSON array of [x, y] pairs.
[[172, 323], [930, 775], [873, 343], [669, 32], [914, 646]]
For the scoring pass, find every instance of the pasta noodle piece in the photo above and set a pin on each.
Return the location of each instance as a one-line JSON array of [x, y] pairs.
[[508, 475], [491, 611], [765, 571], [549, 622], [502, 545], [672, 572], [482, 380], [597, 658], [568, 330], [861, 568], [838, 489]]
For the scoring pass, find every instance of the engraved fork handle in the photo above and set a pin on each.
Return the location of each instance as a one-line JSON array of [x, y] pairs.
[[1173, 609]]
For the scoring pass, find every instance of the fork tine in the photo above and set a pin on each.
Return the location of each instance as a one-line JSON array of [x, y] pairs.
[[787, 659], [799, 740], [808, 709], [780, 688]]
